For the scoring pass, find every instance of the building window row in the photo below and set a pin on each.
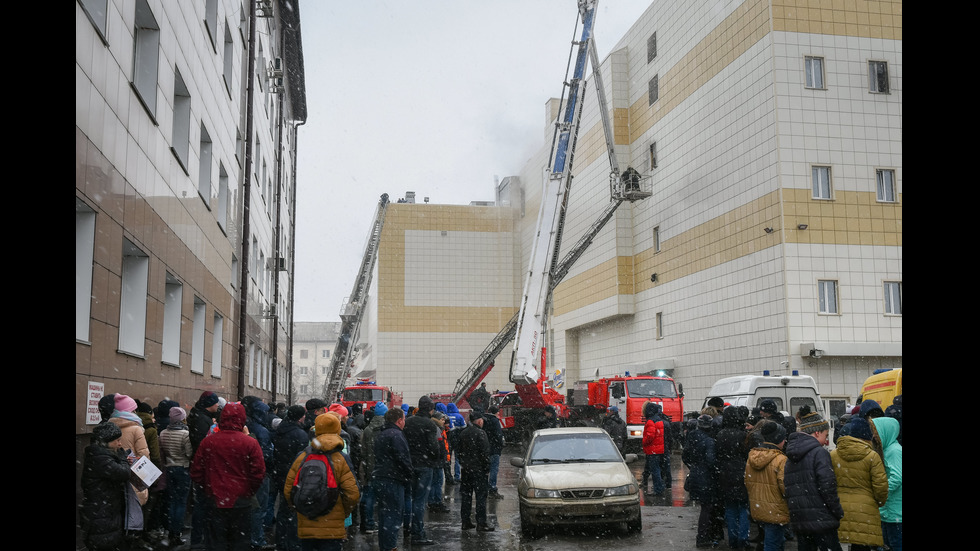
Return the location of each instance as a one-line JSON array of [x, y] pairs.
[[815, 75], [821, 184], [828, 297]]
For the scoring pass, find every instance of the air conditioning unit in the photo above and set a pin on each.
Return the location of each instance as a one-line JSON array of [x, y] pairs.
[[269, 312], [263, 8]]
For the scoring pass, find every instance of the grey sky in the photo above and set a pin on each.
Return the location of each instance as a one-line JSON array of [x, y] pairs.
[[431, 96]]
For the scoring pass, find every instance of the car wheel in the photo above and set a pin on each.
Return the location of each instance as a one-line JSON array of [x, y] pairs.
[[529, 528]]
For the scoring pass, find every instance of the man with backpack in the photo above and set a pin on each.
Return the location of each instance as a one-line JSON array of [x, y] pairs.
[[322, 488]]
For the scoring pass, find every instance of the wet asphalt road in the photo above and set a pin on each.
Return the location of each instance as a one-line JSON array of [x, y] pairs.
[[669, 522]]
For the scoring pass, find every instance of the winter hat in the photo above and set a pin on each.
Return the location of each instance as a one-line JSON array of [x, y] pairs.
[[295, 413], [768, 406], [613, 409], [871, 408], [327, 424], [314, 404], [716, 402], [773, 433], [106, 405], [405, 408], [339, 409], [222, 402], [704, 421], [476, 413], [207, 399], [143, 407], [380, 408], [177, 414], [814, 422], [125, 403], [859, 428], [425, 404], [106, 432]]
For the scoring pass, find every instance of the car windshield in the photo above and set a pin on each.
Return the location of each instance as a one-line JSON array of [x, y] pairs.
[[573, 448], [363, 395], [643, 388]]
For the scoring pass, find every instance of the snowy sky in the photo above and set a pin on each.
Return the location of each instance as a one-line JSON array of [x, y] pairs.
[[431, 96]]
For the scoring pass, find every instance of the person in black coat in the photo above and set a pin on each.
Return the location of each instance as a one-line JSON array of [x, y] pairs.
[[731, 453], [699, 456], [811, 485], [495, 435], [288, 441], [474, 456], [614, 425], [105, 481]]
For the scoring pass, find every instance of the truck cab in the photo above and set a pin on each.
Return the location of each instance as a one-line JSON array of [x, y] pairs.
[[368, 393], [630, 393]]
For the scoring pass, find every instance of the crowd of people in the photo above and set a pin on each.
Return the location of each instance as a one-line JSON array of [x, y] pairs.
[[236, 466], [774, 469]]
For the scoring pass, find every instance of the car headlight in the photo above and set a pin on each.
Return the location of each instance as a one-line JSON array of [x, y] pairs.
[[537, 492], [625, 490]]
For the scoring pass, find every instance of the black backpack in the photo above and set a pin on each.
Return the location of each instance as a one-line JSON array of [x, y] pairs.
[[315, 489]]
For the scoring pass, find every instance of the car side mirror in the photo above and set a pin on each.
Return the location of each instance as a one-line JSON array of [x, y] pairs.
[[630, 457], [517, 461]]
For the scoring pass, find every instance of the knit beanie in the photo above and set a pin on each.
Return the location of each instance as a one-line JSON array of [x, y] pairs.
[[177, 414], [380, 408], [812, 423], [125, 403], [339, 409], [327, 424], [859, 428], [768, 406], [773, 433], [106, 432], [704, 421], [295, 413], [425, 404], [207, 399]]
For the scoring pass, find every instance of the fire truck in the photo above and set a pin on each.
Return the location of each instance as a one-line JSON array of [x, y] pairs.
[[589, 400], [367, 393]]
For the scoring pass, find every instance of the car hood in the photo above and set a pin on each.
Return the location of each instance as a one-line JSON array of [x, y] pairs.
[[577, 475]]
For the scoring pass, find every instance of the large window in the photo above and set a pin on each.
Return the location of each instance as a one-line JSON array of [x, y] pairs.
[[217, 340], [204, 169], [814, 72], [181, 137], [821, 182], [84, 258], [229, 58], [132, 299], [885, 185], [656, 239], [652, 47], [828, 296], [173, 299], [197, 336], [878, 76], [893, 298], [653, 155], [211, 21], [146, 56], [96, 11]]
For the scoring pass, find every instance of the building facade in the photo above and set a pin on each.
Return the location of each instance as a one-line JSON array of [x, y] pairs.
[[185, 146], [772, 136], [313, 348]]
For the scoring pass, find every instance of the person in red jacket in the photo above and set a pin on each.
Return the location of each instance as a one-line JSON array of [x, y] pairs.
[[653, 447], [230, 467]]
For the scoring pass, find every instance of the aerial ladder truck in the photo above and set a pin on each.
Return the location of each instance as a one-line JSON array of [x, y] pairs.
[[527, 327], [352, 310]]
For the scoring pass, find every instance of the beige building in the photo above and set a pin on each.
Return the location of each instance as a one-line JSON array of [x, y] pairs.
[[773, 240], [185, 143]]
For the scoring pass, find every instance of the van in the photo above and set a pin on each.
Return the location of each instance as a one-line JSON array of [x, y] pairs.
[[790, 392], [883, 386]]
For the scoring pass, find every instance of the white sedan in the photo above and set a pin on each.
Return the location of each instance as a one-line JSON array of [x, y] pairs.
[[576, 475]]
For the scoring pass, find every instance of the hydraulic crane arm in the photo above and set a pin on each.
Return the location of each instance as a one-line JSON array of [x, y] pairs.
[[353, 308]]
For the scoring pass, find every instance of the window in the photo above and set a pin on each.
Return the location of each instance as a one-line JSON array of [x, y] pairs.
[[84, 259], [304, 354], [180, 140], [211, 20], [660, 325], [146, 56], [886, 185], [197, 336], [96, 11], [821, 182], [652, 47], [878, 76], [303, 370], [132, 299], [229, 58], [893, 298], [222, 213], [326, 354], [828, 296], [656, 239], [814, 72], [173, 299], [653, 155], [654, 94], [204, 171], [217, 340]]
